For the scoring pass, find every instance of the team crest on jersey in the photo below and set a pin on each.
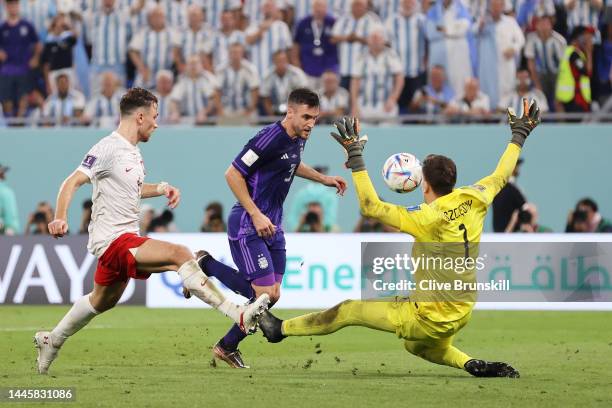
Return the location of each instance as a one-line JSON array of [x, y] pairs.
[[89, 161], [262, 261]]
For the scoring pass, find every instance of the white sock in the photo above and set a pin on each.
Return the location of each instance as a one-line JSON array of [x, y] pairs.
[[77, 317], [193, 277]]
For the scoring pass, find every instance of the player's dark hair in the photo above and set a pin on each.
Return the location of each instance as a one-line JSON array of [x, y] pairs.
[[440, 173], [303, 96], [587, 202], [136, 98]]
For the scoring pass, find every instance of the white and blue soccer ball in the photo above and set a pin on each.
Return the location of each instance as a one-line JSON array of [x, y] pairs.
[[402, 172]]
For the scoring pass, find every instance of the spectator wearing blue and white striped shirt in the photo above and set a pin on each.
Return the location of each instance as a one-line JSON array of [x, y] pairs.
[[196, 39], [65, 105], [108, 31], [216, 8], [376, 80], [104, 107], [227, 35], [39, 13], [544, 51], [196, 93], [268, 37], [340, 8], [176, 13], [278, 83], [406, 31], [584, 13], [164, 82], [253, 9], [434, 97], [333, 99], [239, 81], [350, 32], [153, 48], [388, 8]]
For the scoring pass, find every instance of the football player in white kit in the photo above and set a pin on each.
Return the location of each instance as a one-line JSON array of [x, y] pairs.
[[115, 168]]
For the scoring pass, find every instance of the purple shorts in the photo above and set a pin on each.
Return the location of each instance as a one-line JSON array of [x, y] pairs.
[[261, 261]]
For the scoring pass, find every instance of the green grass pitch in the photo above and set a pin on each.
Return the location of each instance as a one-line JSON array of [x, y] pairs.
[[133, 356]]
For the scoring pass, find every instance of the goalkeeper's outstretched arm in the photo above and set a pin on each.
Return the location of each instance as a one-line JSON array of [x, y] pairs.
[[521, 128]]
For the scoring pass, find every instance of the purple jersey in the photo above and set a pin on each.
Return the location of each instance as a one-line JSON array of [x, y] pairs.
[[18, 42], [268, 163]]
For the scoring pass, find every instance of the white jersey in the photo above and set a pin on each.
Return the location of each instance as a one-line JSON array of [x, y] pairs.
[[116, 170]]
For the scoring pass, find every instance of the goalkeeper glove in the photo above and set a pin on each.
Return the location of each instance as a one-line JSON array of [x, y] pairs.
[[522, 127], [353, 144]]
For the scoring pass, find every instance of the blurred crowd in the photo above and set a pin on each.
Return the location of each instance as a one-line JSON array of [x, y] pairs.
[[234, 61], [314, 208]]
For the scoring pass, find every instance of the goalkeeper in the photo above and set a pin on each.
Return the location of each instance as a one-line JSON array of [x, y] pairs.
[[428, 328]]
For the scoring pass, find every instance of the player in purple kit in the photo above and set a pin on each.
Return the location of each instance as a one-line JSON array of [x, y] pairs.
[[260, 178]]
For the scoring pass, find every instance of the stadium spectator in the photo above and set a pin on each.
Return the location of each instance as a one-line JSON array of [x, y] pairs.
[[153, 48], [297, 10], [65, 105], [406, 31], [9, 211], [278, 84], [385, 9], [377, 80], [254, 10], [195, 94], [312, 192], [508, 200], [523, 89], [525, 220], [530, 11], [339, 8], [215, 9], [267, 37], [333, 99], [434, 97], [544, 50], [162, 223], [500, 41], [213, 218], [105, 106], [350, 32], [196, 39], [57, 54], [584, 13], [573, 92], [602, 63], [108, 31], [586, 218], [20, 51], [472, 105], [313, 50], [312, 220], [227, 35], [85, 216], [240, 84], [176, 13], [38, 220], [447, 26], [39, 13], [164, 82]]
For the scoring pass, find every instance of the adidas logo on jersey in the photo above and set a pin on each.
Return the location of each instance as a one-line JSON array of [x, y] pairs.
[[285, 156]]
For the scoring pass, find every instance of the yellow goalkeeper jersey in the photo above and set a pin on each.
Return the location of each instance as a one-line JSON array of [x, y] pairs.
[[453, 218]]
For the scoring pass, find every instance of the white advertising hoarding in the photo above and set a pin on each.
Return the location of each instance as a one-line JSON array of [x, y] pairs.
[[324, 269]]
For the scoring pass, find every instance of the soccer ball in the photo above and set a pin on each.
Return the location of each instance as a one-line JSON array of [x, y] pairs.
[[402, 172]]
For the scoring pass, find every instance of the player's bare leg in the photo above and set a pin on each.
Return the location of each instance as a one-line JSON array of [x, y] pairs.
[[101, 299], [155, 254], [371, 314]]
